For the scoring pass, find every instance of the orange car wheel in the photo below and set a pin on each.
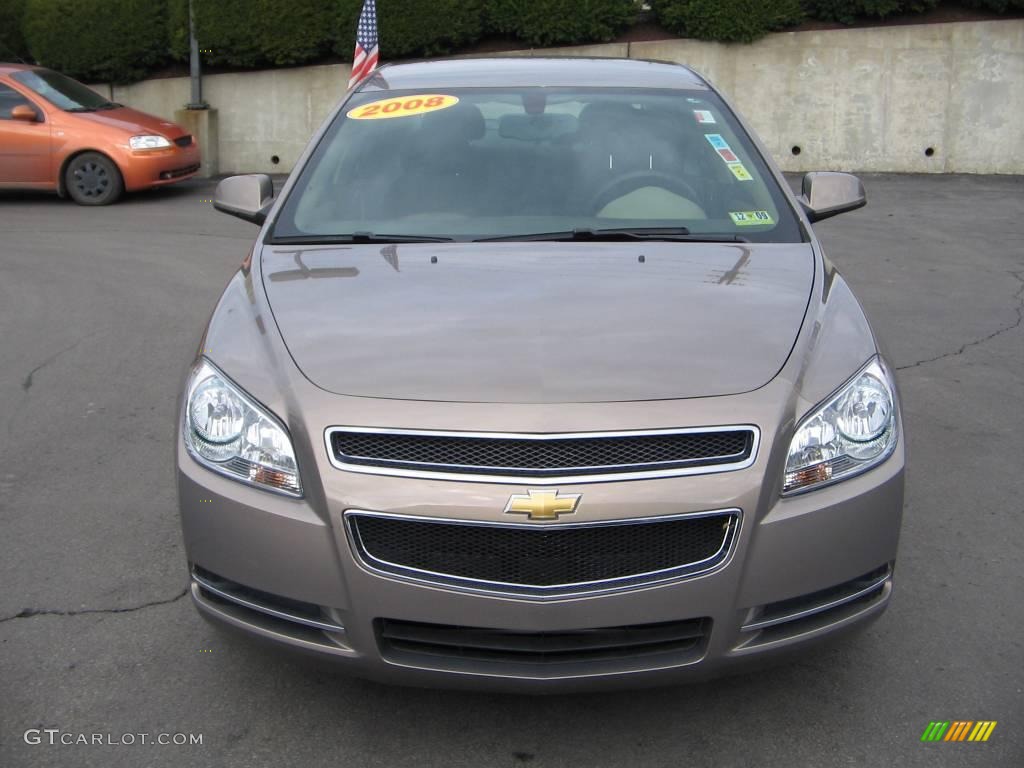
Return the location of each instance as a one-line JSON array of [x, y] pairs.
[[93, 179]]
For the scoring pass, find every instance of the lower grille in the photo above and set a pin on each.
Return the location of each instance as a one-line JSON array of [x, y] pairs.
[[406, 640], [544, 559]]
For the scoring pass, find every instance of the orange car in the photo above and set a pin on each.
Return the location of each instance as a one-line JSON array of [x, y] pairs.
[[60, 135]]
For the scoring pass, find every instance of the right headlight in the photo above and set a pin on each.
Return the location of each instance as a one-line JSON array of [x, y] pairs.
[[851, 432], [230, 433], [148, 142]]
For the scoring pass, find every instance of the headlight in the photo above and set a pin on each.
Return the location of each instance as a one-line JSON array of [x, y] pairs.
[[227, 431], [148, 142], [853, 431]]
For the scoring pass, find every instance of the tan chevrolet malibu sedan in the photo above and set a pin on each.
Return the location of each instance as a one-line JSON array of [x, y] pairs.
[[537, 379]]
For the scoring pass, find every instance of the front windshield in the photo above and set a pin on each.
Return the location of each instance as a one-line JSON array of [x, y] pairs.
[[61, 91], [480, 163]]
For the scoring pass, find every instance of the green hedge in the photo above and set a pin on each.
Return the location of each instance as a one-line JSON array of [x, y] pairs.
[[98, 40], [255, 33], [12, 41], [413, 27], [728, 21], [999, 6], [559, 22], [125, 40], [847, 11]]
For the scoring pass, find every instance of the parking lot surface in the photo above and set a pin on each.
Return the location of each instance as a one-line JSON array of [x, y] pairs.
[[101, 311]]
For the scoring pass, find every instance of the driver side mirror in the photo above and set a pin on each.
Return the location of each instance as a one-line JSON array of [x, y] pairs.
[[248, 197], [824, 194], [24, 113]]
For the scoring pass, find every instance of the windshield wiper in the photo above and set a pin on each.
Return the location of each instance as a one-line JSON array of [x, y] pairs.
[[358, 237], [80, 109], [671, 234], [110, 105]]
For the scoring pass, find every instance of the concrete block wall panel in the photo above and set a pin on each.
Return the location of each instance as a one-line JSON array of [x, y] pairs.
[[867, 99], [985, 131]]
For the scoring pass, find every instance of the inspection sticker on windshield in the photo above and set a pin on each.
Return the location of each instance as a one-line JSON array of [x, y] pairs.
[[704, 116], [716, 141], [728, 155], [739, 170], [404, 106], [750, 218]]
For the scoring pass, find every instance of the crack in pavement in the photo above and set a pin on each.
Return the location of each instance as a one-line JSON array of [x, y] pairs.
[[1019, 295], [28, 613], [27, 383]]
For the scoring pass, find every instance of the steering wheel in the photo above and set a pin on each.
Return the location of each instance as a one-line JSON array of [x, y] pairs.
[[630, 182]]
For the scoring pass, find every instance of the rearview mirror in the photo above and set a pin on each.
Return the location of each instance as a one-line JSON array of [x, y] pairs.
[[24, 112], [248, 197], [825, 194]]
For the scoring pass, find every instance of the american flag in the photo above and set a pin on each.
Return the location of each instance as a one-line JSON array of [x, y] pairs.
[[365, 59]]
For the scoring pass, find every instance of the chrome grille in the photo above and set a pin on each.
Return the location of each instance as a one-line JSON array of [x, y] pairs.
[[543, 559], [538, 457]]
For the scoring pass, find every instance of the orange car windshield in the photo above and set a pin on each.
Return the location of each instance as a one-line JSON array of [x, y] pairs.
[[63, 92]]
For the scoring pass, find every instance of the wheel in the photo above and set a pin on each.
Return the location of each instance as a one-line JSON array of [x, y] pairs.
[[92, 179]]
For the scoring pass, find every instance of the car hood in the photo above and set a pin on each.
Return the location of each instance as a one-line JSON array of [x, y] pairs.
[[539, 322], [132, 121]]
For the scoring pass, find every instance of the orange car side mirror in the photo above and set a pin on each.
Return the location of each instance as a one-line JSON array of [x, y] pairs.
[[24, 112]]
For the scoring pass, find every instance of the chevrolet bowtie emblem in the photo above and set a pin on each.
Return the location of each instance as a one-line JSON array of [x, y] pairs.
[[542, 505]]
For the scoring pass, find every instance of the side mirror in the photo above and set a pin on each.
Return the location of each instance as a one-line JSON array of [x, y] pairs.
[[824, 194], [248, 197], [24, 112]]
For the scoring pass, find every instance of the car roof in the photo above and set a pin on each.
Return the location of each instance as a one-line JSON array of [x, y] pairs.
[[7, 67], [528, 70]]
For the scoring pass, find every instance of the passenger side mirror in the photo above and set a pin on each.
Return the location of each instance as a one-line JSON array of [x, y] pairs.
[[248, 197], [24, 112], [825, 194]]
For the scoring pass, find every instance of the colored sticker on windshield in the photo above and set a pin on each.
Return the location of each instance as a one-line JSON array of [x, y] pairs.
[[716, 141], [750, 218], [728, 155], [404, 106], [704, 116], [740, 171]]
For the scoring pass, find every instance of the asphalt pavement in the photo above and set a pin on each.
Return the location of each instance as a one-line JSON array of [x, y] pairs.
[[101, 311]]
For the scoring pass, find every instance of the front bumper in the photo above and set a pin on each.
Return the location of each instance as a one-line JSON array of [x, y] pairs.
[[158, 167], [801, 569]]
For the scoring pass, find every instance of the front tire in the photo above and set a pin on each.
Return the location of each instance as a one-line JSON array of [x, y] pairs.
[[93, 179]]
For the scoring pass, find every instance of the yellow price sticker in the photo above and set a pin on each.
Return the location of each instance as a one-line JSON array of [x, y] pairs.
[[404, 106]]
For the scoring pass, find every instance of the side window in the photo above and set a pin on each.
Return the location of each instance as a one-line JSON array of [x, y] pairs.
[[9, 99]]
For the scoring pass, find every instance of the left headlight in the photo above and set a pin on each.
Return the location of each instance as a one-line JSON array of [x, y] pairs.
[[148, 142], [853, 431], [228, 432]]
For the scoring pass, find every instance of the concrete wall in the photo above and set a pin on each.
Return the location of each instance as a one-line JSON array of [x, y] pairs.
[[868, 99]]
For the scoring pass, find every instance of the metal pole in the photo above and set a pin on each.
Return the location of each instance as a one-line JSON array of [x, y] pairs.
[[196, 101]]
